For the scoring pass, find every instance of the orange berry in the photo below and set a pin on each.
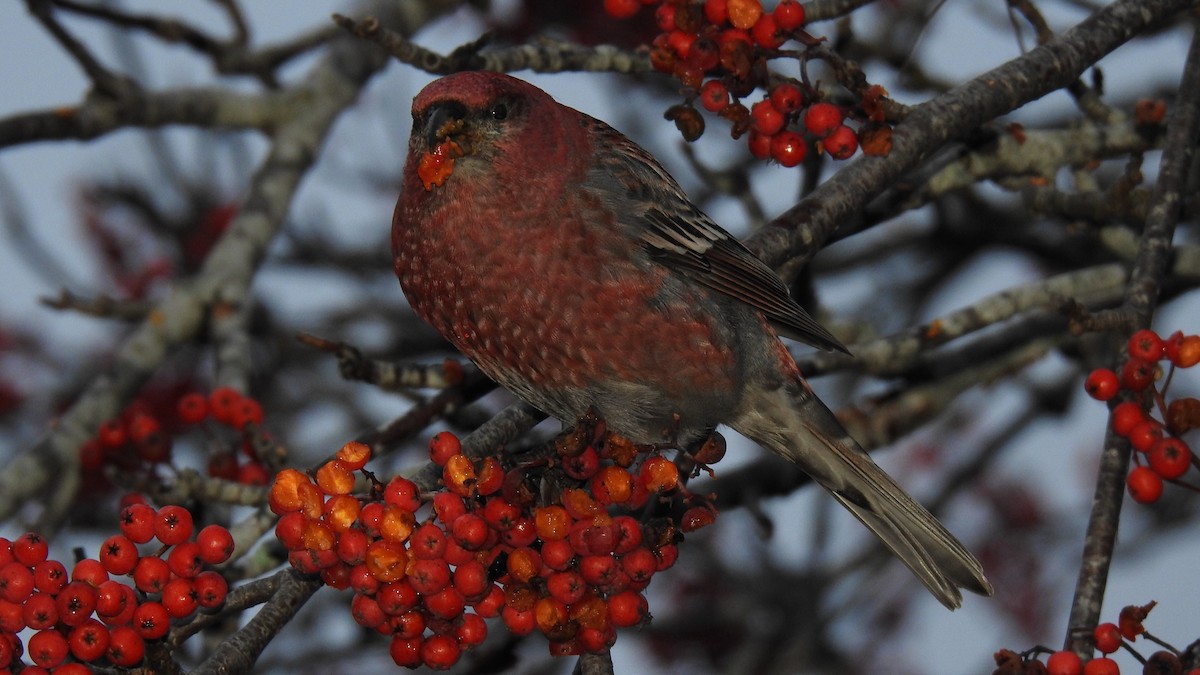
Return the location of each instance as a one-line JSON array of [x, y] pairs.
[[317, 535], [744, 13], [354, 455], [552, 523], [550, 615], [341, 511], [459, 475], [524, 564], [284, 496], [386, 560], [579, 504], [612, 485], [1189, 351], [396, 524], [659, 474], [334, 478]]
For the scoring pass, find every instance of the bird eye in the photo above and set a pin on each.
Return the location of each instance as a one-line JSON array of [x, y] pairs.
[[499, 111]]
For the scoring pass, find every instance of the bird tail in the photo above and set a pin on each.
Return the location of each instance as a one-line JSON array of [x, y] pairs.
[[794, 423]]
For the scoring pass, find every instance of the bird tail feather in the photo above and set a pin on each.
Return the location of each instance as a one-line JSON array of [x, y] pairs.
[[797, 425]]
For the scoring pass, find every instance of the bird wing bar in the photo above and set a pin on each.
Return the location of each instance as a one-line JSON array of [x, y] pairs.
[[695, 246]]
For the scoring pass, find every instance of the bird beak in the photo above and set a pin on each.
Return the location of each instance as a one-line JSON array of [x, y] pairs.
[[441, 120]]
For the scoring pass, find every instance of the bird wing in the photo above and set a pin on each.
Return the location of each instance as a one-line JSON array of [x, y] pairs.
[[680, 236]]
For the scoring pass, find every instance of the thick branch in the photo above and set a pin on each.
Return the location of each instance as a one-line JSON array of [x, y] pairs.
[[1183, 125]]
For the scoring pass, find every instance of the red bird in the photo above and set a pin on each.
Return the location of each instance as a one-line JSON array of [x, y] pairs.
[[570, 267]]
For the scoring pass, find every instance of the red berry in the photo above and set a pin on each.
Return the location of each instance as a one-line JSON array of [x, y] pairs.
[[112, 598], [151, 574], [142, 427], [448, 506], [681, 43], [471, 579], [1144, 485], [441, 652], [788, 148], [1171, 346], [151, 620], [75, 603], [30, 549], [404, 494], [443, 446], [40, 612], [822, 118], [1064, 663], [627, 608], [557, 554], [1170, 457], [789, 14], [428, 576], [406, 652], [179, 598], [184, 560], [216, 544], [89, 641], [519, 622], [714, 96], [89, 571], [716, 11], [491, 604], [766, 32], [16, 582], [223, 403], [247, 411], [192, 408], [766, 118], [112, 434], [842, 143], [621, 9], [1102, 384], [1145, 435], [47, 648], [1107, 637], [472, 631], [125, 647], [522, 533], [470, 531], [410, 624], [500, 514], [1145, 345], [1126, 416], [173, 525], [118, 554], [137, 522], [760, 145], [446, 604], [664, 16], [1137, 374], [49, 576], [1101, 666], [787, 98]]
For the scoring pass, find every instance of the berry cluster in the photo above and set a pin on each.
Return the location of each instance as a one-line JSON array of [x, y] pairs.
[[729, 42], [1161, 452], [95, 619], [1108, 638], [138, 438], [492, 544]]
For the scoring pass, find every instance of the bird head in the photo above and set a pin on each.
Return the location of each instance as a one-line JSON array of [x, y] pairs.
[[476, 121]]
